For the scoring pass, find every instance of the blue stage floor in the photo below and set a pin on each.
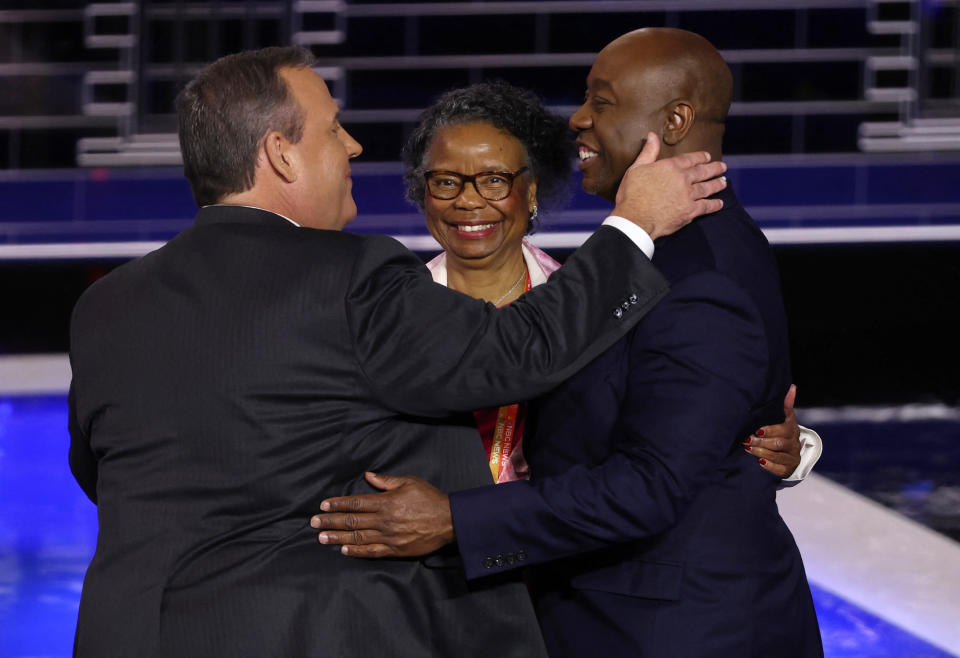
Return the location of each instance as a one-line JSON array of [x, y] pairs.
[[48, 534]]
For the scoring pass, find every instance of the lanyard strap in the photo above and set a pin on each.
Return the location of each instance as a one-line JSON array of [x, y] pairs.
[[504, 431]]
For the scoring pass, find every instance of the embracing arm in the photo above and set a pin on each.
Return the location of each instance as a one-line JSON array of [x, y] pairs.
[[460, 354], [427, 350], [697, 368], [695, 373], [414, 517]]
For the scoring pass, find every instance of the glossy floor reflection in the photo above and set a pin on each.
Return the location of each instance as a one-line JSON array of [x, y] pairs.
[[850, 632], [48, 529], [902, 457], [48, 534]]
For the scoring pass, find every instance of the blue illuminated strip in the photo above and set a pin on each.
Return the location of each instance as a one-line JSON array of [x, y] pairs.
[[796, 199]]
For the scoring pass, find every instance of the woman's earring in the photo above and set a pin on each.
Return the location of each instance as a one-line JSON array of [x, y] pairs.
[[533, 213]]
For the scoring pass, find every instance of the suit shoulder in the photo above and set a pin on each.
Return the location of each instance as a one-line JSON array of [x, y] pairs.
[[381, 243], [711, 285], [373, 251], [685, 253], [354, 243], [728, 241], [114, 280]]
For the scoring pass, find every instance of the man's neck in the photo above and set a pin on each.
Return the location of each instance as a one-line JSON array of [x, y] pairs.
[[714, 151], [701, 138], [254, 198], [244, 205]]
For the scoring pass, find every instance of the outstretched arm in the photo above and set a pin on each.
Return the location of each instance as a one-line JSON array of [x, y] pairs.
[[640, 490], [415, 518], [543, 338]]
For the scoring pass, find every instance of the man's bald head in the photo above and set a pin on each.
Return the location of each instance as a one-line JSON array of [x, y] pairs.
[[676, 64], [670, 82]]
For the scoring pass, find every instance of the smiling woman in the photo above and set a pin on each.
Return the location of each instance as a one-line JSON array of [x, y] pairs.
[[480, 197], [481, 164]]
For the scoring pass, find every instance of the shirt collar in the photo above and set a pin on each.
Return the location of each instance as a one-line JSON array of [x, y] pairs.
[[237, 205]]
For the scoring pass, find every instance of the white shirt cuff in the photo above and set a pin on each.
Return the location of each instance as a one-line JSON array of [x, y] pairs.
[[811, 446], [632, 231]]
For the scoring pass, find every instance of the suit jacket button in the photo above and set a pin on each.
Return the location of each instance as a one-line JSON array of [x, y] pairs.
[[499, 561], [521, 556], [511, 558], [618, 312], [625, 305], [633, 299], [488, 563]]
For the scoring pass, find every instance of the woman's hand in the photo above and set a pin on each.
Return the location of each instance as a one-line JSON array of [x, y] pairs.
[[778, 446]]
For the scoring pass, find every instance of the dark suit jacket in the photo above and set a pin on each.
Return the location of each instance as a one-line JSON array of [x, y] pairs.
[[225, 384], [639, 474]]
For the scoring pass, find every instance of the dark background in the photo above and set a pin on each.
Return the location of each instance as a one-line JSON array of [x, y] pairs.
[[871, 323]]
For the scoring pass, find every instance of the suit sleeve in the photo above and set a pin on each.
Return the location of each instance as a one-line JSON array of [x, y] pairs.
[[83, 463], [431, 351], [697, 366]]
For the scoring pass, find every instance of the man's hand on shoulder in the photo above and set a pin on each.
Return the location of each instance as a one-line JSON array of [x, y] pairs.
[[663, 196], [411, 518]]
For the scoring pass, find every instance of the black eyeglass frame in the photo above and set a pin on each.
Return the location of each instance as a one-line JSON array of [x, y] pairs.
[[510, 176]]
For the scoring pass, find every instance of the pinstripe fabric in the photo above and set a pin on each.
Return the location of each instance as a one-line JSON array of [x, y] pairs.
[[227, 382]]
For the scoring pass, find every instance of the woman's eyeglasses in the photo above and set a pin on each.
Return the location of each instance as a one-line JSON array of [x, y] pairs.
[[491, 185]]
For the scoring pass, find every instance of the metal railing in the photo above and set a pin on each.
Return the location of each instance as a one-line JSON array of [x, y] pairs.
[[123, 87]]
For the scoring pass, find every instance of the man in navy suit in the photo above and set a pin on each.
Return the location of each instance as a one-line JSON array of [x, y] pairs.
[[651, 531]]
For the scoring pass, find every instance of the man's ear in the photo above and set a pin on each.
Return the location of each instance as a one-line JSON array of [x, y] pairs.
[[680, 118], [282, 156]]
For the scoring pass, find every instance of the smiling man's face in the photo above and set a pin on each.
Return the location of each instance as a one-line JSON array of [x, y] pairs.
[[626, 98]]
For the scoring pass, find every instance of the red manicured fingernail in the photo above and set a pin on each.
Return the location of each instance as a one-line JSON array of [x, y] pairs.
[[763, 462], [746, 447], [759, 432]]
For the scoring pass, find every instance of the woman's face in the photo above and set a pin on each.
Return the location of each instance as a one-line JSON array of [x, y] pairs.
[[469, 227]]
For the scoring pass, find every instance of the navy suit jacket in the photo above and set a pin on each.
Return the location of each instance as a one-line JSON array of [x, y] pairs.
[[661, 533]]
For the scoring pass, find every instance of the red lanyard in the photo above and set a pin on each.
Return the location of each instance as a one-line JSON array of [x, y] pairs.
[[503, 433]]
